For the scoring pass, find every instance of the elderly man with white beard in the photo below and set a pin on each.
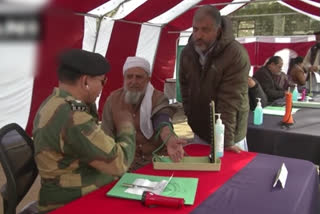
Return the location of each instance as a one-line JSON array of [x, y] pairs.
[[150, 110]]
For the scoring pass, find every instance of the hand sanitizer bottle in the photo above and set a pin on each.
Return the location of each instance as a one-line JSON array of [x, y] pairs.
[[295, 93], [258, 113], [219, 137]]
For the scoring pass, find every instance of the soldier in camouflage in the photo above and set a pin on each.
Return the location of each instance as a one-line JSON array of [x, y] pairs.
[[73, 155]]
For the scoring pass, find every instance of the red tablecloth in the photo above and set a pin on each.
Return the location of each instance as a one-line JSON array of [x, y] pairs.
[[209, 182]]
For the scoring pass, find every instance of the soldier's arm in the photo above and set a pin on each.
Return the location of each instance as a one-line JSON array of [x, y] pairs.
[[94, 147]]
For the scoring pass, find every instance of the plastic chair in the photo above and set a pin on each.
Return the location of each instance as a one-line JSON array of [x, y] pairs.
[[17, 159]]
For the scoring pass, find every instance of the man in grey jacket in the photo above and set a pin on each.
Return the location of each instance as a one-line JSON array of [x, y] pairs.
[[214, 66]]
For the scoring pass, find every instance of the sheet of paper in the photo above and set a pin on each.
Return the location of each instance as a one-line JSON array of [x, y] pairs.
[[317, 77], [155, 187], [141, 185], [177, 187], [277, 110], [281, 176]]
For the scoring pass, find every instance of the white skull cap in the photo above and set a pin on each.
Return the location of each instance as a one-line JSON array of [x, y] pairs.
[[135, 61]]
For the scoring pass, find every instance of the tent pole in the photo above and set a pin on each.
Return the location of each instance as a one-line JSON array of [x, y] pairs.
[[97, 34]]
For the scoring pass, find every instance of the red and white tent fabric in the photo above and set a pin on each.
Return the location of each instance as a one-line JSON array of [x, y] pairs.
[[147, 28]]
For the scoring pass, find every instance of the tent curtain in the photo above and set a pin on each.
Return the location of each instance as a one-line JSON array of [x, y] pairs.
[[118, 39]]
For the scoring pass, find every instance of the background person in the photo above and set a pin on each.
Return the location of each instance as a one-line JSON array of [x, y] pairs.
[[311, 63], [268, 84], [255, 91], [296, 71]]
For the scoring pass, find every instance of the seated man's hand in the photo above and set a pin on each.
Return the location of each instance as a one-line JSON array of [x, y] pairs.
[[175, 148], [233, 148], [174, 144], [314, 68]]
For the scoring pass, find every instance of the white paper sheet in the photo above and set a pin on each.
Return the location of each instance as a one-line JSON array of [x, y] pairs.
[[317, 77]]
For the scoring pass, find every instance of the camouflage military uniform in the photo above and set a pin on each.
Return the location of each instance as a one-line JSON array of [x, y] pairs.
[[67, 139]]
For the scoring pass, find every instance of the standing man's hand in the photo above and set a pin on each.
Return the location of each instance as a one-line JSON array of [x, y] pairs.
[[234, 148]]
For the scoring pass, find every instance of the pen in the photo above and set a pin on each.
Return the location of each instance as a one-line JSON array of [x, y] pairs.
[[136, 185]]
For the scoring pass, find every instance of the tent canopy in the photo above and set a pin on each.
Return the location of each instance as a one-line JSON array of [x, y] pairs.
[[117, 29]]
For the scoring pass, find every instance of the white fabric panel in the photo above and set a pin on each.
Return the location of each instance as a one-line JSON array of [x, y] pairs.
[[316, 4], [268, 39], [90, 28], [149, 35], [282, 40], [174, 12], [184, 36], [127, 8], [244, 39], [296, 39], [36, 3], [106, 27], [104, 36], [313, 38], [89, 35], [106, 7], [300, 11], [148, 42], [103, 41], [17, 66], [232, 7]]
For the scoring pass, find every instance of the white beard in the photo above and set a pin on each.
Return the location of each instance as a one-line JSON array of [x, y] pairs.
[[133, 97]]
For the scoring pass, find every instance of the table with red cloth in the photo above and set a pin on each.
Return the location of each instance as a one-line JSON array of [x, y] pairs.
[[243, 185]]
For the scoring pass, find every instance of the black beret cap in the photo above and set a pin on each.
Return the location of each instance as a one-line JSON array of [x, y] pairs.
[[84, 62]]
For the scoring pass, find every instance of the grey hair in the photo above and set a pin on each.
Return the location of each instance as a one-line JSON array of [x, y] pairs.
[[208, 10]]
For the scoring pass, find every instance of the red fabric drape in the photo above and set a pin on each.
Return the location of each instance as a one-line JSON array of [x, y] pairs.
[[61, 29], [120, 47], [57, 25]]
